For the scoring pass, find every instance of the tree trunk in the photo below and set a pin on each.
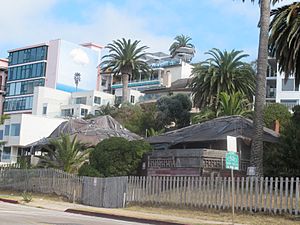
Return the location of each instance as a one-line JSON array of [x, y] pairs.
[[260, 92], [125, 78]]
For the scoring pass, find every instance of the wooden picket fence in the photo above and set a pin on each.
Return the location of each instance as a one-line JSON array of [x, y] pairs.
[[95, 191], [271, 195]]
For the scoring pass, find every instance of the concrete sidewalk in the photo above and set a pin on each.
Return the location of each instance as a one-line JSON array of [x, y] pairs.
[[120, 214]]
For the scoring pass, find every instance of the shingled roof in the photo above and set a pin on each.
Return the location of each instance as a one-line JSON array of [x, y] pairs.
[[213, 130], [90, 131]]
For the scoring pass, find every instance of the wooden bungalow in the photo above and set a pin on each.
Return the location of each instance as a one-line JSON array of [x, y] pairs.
[[200, 149]]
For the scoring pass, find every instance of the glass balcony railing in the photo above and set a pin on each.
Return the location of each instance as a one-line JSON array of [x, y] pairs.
[[289, 105], [163, 64], [137, 84]]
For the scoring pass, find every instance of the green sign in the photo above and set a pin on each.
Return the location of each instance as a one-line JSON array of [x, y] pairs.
[[232, 161]]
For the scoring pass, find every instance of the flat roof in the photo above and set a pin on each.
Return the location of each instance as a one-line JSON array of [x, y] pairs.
[[92, 44], [27, 47]]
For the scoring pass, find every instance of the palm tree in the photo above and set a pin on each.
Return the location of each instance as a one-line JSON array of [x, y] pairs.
[[284, 40], [256, 159], [235, 104], [65, 154], [181, 41], [125, 57], [222, 72], [77, 78]]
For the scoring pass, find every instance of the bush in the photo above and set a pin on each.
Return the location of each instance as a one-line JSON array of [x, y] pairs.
[[117, 156], [278, 112], [89, 171], [175, 109]]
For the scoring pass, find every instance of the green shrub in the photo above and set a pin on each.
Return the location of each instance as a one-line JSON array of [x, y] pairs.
[[278, 112], [88, 170], [117, 156]]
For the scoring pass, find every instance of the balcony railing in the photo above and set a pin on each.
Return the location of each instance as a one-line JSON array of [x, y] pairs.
[[290, 106], [219, 163], [137, 84], [165, 63]]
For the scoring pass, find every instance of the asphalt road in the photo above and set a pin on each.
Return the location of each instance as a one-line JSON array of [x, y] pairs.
[[24, 215]]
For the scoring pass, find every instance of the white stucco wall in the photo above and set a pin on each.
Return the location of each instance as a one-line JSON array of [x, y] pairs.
[[52, 63], [181, 71], [53, 98], [137, 94], [34, 128]]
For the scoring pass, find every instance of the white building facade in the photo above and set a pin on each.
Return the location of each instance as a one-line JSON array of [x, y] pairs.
[[54, 103], [51, 64], [165, 70], [280, 90], [21, 130]]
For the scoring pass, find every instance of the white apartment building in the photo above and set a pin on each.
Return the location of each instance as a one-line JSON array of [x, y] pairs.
[[21, 130], [55, 103], [3, 78], [280, 90], [166, 70], [51, 64]]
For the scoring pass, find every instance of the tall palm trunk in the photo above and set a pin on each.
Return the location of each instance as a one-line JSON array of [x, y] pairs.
[[125, 78], [260, 92]]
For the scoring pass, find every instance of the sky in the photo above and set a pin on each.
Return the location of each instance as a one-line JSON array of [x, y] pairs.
[[223, 24]]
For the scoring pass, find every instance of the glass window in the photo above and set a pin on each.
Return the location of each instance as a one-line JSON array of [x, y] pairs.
[[15, 129], [12, 89], [27, 71], [67, 112], [6, 130], [18, 104], [83, 112], [288, 85], [44, 109], [132, 99], [97, 100], [18, 88], [1, 134], [6, 153], [28, 55], [23, 87], [81, 100]]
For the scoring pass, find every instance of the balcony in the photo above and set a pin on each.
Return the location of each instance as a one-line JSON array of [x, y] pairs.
[[137, 84], [289, 105], [163, 64]]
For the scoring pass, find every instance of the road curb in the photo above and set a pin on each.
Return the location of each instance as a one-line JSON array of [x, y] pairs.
[[124, 218], [9, 201]]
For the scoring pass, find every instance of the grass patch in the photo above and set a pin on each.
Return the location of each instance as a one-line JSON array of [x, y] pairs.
[[214, 215], [18, 195]]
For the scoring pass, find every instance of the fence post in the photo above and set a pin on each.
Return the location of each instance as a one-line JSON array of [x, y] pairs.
[[266, 194], [256, 194], [271, 194], [286, 195], [261, 194], [297, 197], [276, 195], [291, 195], [281, 194], [242, 193]]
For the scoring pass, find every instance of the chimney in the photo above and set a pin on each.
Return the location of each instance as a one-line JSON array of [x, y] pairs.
[[276, 126]]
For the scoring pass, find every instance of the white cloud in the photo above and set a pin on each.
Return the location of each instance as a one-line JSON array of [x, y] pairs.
[[79, 57], [28, 22]]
